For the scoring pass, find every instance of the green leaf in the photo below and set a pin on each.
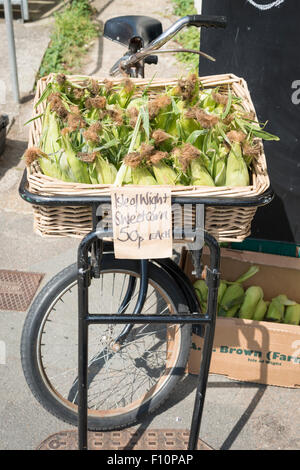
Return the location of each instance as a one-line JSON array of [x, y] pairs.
[[258, 132], [264, 135], [44, 95], [194, 135], [175, 108], [148, 85], [224, 136], [145, 117], [33, 119], [251, 271], [109, 144]]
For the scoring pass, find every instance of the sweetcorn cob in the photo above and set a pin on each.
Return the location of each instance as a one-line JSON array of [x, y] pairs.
[[260, 310], [276, 310], [221, 291], [201, 289], [252, 296], [236, 171], [231, 300], [199, 174], [292, 314], [164, 174]]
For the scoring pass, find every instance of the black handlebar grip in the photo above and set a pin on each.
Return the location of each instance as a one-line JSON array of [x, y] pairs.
[[151, 59], [208, 21]]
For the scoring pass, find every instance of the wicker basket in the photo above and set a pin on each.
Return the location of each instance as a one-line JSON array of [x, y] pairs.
[[225, 223]]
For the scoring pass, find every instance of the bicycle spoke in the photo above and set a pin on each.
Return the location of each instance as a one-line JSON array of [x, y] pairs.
[[116, 378]]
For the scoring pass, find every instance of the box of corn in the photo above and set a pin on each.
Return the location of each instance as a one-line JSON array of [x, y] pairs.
[[257, 337], [200, 136]]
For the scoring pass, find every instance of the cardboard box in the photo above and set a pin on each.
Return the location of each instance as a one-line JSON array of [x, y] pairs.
[[247, 350]]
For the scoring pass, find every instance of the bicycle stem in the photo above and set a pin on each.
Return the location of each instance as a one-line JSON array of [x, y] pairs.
[[129, 60], [189, 20]]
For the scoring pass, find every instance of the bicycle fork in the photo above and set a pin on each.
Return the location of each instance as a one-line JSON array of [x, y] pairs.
[[85, 319]]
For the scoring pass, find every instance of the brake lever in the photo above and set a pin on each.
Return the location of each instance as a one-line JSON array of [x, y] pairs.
[[126, 61], [117, 67]]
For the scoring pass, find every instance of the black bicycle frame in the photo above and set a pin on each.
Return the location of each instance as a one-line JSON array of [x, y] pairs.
[[195, 317], [90, 266]]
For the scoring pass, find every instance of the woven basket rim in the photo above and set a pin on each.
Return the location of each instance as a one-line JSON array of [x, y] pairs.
[[45, 185]]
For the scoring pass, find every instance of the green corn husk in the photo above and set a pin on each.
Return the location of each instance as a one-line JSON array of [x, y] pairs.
[[207, 101], [216, 166], [124, 95], [231, 312], [50, 145], [252, 296], [93, 173], [189, 125], [236, 171], [275, 311], [50, 132], [260, 310], [137, 103], [201, 289], [141, 175], [219, 171], [233, 297], [221, 291], [249, 273], [78, 170], [50, 167], [164, 174], [292, 315], [199, 174], [124, 173], [106, 172]]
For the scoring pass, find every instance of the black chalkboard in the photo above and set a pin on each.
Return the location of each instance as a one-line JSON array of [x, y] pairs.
[[262, 44]]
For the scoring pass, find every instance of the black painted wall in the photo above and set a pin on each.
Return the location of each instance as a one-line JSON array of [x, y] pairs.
[[262, 44]]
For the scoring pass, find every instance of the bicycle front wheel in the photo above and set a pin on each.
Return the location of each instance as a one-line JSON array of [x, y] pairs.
[[124, 382]]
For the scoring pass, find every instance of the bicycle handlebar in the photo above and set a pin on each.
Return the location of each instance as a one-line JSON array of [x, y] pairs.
[[208, 21]]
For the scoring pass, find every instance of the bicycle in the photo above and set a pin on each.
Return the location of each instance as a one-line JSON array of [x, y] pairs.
[[153, 298]]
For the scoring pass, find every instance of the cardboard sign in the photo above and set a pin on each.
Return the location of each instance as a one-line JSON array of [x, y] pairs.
[[142, 222]]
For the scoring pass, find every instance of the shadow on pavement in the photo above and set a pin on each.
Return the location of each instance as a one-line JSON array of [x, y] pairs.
[[188, 386]]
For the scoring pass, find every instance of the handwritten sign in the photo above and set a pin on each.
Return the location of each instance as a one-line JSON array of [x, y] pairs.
[[142, 222]]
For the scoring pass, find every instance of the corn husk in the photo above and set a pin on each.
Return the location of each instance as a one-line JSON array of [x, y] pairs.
[[142, 176], [252, 296], [277, 306], [190, 115], [233, 297], [221, 291], [237, 173], [199, 174], [260, 310], [292, 315], [219, 169], [106, 172], [77, 170], [164, 174], [201, 289], [231, 312]]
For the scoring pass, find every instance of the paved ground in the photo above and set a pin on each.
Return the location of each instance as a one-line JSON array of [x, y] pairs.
[[236, 415]]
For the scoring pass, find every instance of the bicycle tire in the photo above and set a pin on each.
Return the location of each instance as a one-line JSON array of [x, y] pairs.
[[32, 355]]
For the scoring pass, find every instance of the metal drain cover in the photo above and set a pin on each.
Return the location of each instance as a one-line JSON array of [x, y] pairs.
[[17, 289], [152, 439]]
